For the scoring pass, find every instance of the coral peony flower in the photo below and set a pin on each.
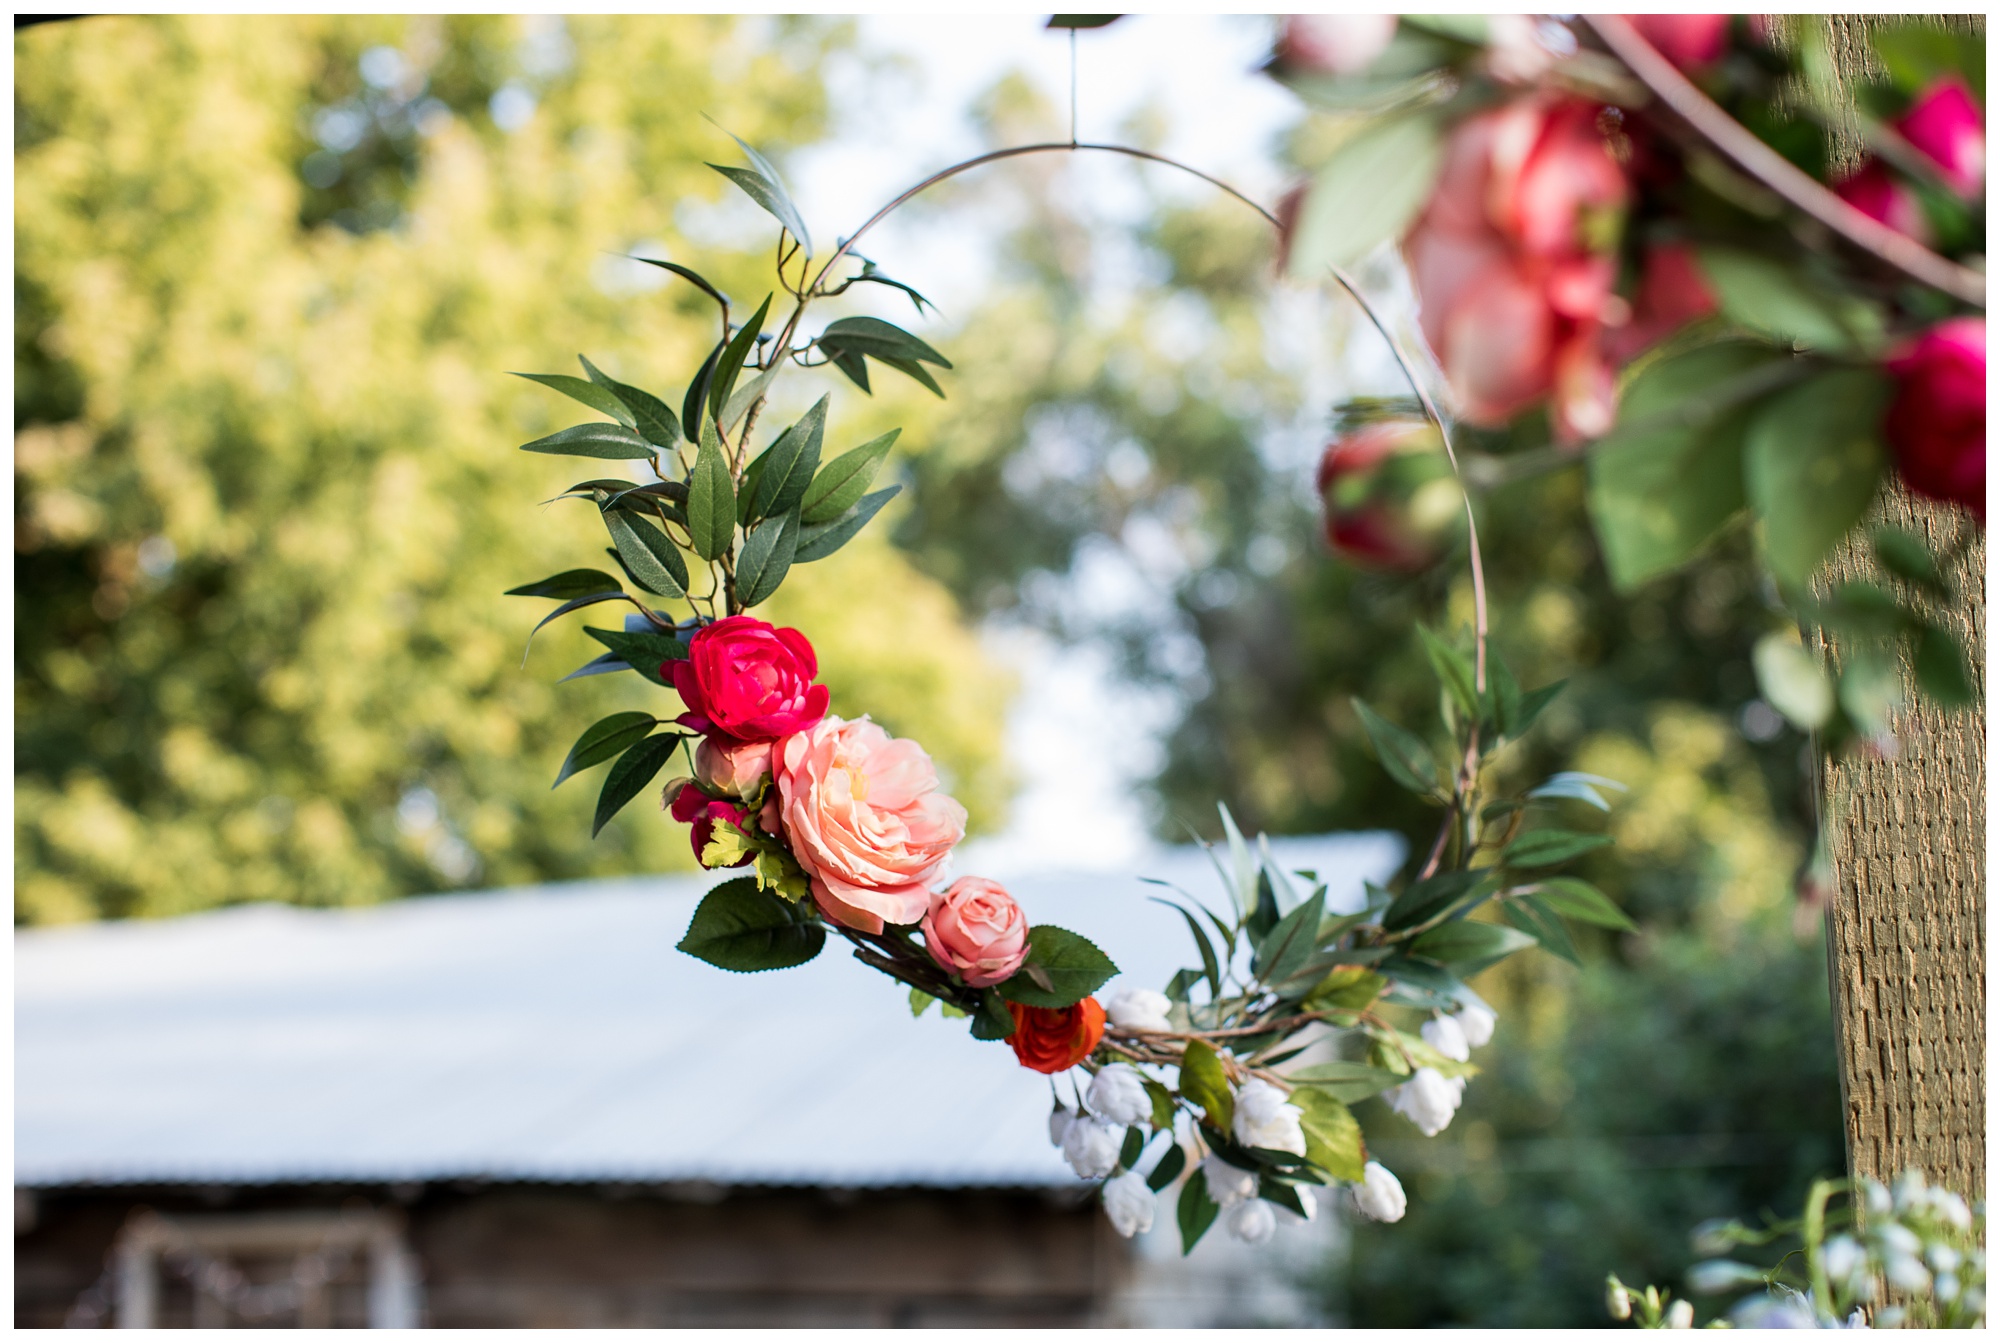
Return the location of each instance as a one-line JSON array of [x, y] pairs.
[[1513, 267], [864, 817], [1692, 42], [976, 931], [745, 679], [1937, 423], [1391, 501], [694, 808], [732, 768], [1945, 126], [1877, 193], [1056, 1039], [1333, 44]]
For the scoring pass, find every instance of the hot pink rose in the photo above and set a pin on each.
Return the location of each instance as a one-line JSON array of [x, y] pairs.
[[1334, 44], [1876, 192], [743, 678], [976, 931], [864, 817], [1691, 41], [732, 768], [1945, 126], [694, 808], [1512, 264], [1389, 497], [1937, 423], [1672, 293]]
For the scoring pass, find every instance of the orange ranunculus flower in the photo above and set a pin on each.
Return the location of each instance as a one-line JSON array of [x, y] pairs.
[[1056, 1039]]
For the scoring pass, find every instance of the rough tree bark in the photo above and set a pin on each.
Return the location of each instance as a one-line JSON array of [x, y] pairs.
[[1907, 919]]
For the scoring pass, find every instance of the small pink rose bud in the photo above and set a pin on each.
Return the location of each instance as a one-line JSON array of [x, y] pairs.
[[1937, 423], [976, 931], [732, 768], [1945, 126]]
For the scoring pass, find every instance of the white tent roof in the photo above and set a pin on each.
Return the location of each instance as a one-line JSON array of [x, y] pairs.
[[546, 1033]]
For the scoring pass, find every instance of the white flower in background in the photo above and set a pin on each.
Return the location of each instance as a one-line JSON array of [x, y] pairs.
[[1941, 1257], [1947, 1287], [1060, 1119], [1379, 1196], [1909, 1191], [1476, 1020], [1898, 1239], [1680, 1315], [1306, 1201], [1906, 1271], [1139, 1010], [1129, 1204], [1843, 1258], [1252, 1222], [1228, 1185], [1447, 1037], [1118, 1093], [1427, 1100], [1264, 1118], [1876, 1197], [1952, 1208], [1091, 1148]]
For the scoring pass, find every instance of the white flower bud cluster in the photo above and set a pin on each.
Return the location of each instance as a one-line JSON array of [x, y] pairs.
[[1091, 1140], [1429, 1099], [1139, 1010]]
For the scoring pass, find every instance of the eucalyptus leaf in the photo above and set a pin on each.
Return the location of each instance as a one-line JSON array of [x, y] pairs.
[[762, 184], [786, 468], [650, 415], [605, 738], [650, 557], [818, 541], [1575, 898], [711, 506], [842, 481], [1545, 848], [597, 398], [767, 556], [1402, 752], [611, 441], [730, 367], [569, 583]]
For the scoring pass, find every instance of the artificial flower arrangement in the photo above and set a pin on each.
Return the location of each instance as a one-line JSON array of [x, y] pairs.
[[1237, 1079], [1635, 250]]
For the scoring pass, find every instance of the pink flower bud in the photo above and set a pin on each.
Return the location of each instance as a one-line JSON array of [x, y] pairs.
[[732, 768], [695, 808], [1945, 126], [977, 932], [1874, 191], [1937, 423]]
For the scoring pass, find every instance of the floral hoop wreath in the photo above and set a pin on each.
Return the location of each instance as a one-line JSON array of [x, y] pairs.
[[1237, 1079]]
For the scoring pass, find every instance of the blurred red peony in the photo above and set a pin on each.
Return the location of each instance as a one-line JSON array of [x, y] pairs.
[[976, 931], [1937, 423], [1513, 264], [1391, 501], [1945, 126], [1691, 41], [694, 808], [1333, 44], [744, 679], [1056, 1039]]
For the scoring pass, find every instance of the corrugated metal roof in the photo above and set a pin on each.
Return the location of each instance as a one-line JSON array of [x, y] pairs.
[[545, 1033]]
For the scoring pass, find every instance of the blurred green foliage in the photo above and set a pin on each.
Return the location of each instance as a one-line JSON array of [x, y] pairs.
[[270, 276]]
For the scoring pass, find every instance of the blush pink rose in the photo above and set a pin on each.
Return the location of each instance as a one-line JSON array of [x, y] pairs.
[[745, 679], [692, 807], [732, 768], [864, 817], [976, 931], [1945, 126], [1512, 264], [1937, 423]]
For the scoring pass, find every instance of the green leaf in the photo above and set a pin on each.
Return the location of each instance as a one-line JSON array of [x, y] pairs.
[[1163, 1103], [869, 275], [1286, 948], [785, 470], [1785, 304], [650, 415], [761, 183], [1575, 898], [1342, 1080], [1133, 1148], [1791, 680], [711, 506], [692, 419], [1812, 464], [1366, 194], [1195, 1213], [1871, 689], [1422, 901], [575, 604], [914, 370], [876, 338], [1415, 983], [819, 540], [1209, 965], [1544, 848], [993, 1021], [1535, 701], [597, 398], [1346, 988], [654, 562], [741, 928], [632, 772], [1072, 964], [613, 441], [643, 652], [1403, 753], [747, 395], [689, 276], [730, 366], [1463, 940], [1904, 554], [920, 1002], [569, 583], [1203, 1083], [1941, 669], [1167, 1167], [1333, 1135], [1669, 479], [1503, 694], [1577, 787], [842, 481], [605, 738], [1532, 916], [767, 557], [1454, 672]]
